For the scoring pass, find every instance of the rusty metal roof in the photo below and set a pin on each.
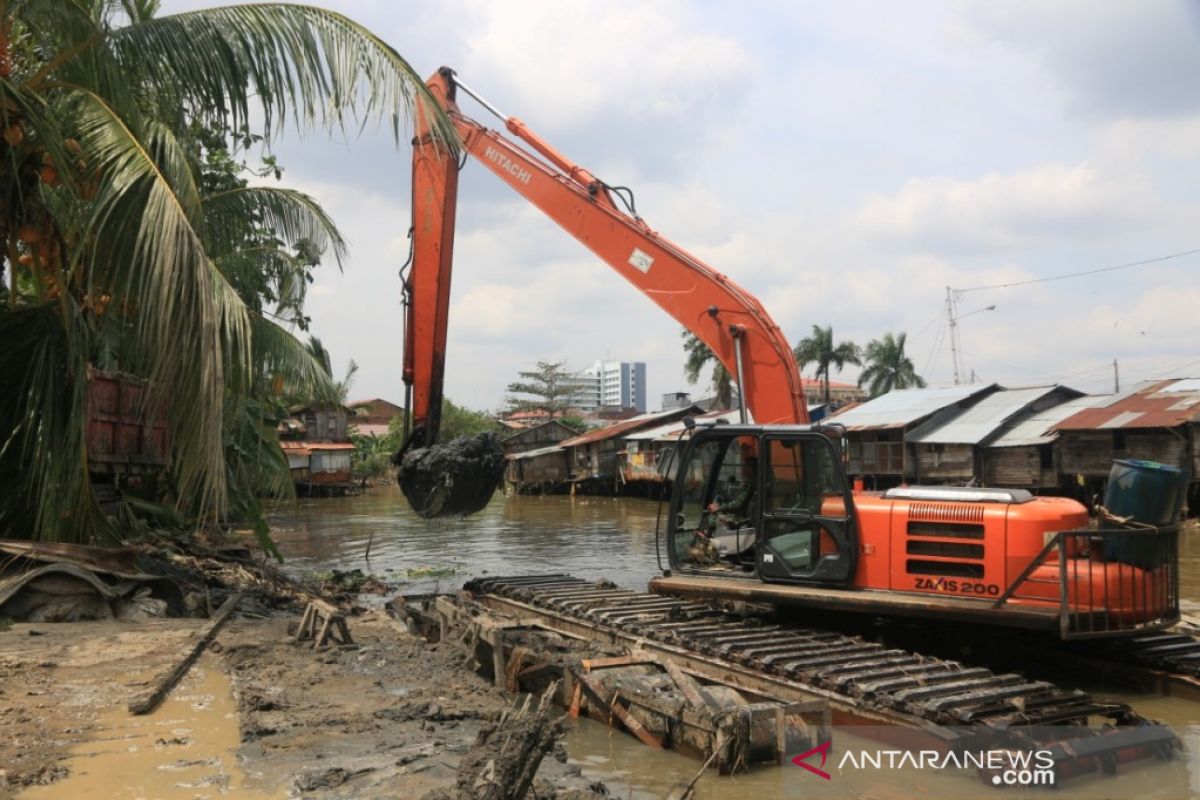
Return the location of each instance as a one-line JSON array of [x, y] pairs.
[[898, 409], [1154, 404], [628, 425]]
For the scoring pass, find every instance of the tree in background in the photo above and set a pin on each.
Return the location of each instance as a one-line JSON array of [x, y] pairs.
[[549, 387], [374, 453], [698, 356], [115, 251], [819, 349], [888, 367], [341, 389], [461, 421]]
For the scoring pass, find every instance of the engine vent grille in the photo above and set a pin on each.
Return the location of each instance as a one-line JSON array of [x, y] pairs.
[[946, 512]]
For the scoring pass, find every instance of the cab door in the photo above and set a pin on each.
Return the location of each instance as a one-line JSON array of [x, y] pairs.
[[807, 531]]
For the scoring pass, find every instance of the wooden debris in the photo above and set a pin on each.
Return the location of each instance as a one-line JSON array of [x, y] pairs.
[[506, 755], [687, 791], [149, 701], [328, 618]]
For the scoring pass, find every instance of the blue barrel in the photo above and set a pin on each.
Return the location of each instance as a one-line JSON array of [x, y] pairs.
[[1146, 491]]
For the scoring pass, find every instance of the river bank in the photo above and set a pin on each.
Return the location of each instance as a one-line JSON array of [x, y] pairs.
[[261, 716]]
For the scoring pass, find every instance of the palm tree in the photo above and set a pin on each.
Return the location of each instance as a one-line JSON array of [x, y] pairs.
[[888, 367], [110, 245], [698, 357], [819, 349], [341, 389]]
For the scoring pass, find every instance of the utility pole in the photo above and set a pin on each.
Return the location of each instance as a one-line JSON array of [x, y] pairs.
[[955, 341], [951, 316], [1116, 378]]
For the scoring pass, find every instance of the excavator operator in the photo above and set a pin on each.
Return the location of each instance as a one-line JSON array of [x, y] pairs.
[[724, 528]]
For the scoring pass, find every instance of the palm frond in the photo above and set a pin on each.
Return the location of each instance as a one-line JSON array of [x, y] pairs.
[[191, 328], [306, 63], [43, 462], [290, 215], [281, 355]]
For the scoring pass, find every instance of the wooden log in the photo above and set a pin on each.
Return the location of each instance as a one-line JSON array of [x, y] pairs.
[[687, 684], [149, 701]]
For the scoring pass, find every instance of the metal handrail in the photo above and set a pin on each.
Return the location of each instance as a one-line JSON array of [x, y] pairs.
[[1146, 581]]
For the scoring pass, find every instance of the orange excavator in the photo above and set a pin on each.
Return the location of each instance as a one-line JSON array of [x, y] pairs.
[[762, 510]]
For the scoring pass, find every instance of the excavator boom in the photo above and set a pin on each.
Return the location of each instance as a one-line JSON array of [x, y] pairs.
[[729, 320]]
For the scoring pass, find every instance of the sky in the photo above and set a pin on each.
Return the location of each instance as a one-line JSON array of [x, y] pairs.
[[844, 162]]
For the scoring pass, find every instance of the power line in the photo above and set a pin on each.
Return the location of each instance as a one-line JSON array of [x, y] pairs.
[[941, 313], [1096, 271]]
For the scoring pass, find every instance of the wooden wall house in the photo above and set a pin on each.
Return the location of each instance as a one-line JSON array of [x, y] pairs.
[[953, 451], [596, 457], [546, 470], [876, 430], [1028, 455], [1155, 421], [317, 446], [538, 437]]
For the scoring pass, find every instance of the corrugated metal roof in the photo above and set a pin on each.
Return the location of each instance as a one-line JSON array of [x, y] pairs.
[[625, 426], [897, 409], [1156, 404], [671, 430], [1039, 428], [541, 451], [977, 423]]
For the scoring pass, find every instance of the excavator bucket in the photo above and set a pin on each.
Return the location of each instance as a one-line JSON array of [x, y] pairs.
[[456, 478]]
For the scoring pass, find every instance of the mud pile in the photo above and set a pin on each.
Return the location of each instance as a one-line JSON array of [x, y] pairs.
[[454, 478]]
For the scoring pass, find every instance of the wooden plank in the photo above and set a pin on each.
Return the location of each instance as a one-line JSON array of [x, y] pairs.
[[687, 684], [149, 701], [617, 710]]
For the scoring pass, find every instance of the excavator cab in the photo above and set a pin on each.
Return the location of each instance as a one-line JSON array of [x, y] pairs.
[[772, 504]]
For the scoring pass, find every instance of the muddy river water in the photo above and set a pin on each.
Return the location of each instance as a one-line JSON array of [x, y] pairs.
[[615, 539]]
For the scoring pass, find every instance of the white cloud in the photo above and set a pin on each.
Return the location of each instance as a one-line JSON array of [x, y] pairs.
[[1036, 206]]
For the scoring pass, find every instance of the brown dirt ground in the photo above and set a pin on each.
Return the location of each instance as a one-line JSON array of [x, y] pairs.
[[391, 718]]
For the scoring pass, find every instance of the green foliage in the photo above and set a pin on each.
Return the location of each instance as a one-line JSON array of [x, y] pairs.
[[549, 387], [819, 349], [431, 572], [575, 423], [131, 241], [461, 421], [888, 367], [373, 458], [697, 357]]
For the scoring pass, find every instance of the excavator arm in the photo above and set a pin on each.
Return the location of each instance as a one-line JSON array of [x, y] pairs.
[[720, 313]]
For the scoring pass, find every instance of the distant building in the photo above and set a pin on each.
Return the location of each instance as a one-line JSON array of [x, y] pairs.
[[319, 453], [675, 400], [373, 417], [615, 384], [840, 392]]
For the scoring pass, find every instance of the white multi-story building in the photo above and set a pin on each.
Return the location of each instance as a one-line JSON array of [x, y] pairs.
[[619, 384]]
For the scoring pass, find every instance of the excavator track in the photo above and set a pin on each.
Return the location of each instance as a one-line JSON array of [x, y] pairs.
[[1175, 653], [864, 674]]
